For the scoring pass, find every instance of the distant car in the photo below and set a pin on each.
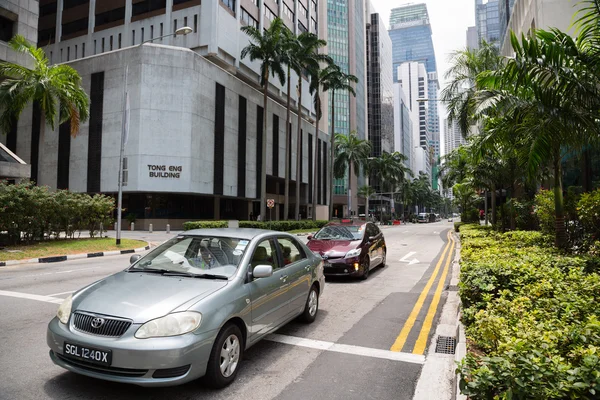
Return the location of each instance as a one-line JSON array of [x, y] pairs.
[[422, 218], [350, 248], [189, 308]]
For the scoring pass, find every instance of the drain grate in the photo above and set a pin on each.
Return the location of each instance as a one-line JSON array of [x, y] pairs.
[[445, 345]]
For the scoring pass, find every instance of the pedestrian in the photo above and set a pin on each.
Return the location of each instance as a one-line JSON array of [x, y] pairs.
[[251, 216], [258, 218]]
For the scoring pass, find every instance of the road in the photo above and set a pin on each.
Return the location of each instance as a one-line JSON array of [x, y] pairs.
[[347, 353]]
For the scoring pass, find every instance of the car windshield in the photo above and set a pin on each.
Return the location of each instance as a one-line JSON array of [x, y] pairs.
[[340, 232], [195, 256]]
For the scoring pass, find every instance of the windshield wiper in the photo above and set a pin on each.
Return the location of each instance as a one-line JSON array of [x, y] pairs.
[[149, 270], [210, 276]]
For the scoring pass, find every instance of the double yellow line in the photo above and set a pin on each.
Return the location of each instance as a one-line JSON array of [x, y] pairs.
[[421, 342]]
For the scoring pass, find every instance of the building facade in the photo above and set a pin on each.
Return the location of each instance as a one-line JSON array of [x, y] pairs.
[[195, 138], [472, 38], [505, 8], [487, 20], [16, 18], [346, 42], [539, 14], [413, 79], [403, 126]]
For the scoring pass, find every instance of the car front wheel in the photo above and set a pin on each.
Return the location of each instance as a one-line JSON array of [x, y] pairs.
[[366, 268], [225, 357], [312, 306]]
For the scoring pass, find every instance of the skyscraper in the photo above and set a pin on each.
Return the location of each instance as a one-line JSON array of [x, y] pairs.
[[487, 20], [346, 44], [505, 8], [410, 31], [472, 39]]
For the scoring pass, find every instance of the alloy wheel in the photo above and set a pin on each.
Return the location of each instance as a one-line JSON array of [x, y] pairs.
[[230, 355], [312, 303]]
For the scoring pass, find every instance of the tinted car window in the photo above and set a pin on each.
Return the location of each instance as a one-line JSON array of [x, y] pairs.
[[290, 251], [340, 232], [265, 254]]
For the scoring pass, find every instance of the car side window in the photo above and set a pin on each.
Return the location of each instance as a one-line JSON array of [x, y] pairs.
[[265, 253], [375, 229], [290, 251], [369, 231]]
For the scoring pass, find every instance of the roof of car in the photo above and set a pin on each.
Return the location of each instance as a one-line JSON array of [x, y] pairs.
[[240, 233], [347, 223]]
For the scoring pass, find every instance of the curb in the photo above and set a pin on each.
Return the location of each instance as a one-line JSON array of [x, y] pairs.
[[53, 259], [461, 342]]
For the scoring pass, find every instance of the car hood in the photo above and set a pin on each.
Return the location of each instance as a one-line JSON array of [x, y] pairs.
[[141, 296], [333, 248]]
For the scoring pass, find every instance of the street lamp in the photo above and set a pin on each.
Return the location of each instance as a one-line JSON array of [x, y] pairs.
[[125, 130]]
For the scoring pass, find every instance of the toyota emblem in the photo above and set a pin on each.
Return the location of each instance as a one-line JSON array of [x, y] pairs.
[[97, 322], [324, 256]]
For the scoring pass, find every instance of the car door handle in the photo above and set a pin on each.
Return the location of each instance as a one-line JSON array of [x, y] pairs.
[[283, 278], [307, 268]]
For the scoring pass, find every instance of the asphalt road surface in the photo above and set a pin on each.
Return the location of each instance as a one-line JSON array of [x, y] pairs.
[[367, 343]]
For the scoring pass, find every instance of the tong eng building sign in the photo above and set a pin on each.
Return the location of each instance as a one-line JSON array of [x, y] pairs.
[[165, 171]]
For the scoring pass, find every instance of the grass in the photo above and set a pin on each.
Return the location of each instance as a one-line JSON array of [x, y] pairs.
[[60, 247]]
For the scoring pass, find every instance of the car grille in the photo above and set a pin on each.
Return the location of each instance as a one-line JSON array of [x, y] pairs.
[[103, 369], [337, 269], [111, 327]]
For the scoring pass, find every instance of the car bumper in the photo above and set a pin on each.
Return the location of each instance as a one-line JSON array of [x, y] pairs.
[[342, 267], [135, 361]]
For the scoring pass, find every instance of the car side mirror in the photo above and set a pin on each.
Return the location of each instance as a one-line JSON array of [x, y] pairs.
[[372, 238], [134, 258], [262, 271], [309, 237]]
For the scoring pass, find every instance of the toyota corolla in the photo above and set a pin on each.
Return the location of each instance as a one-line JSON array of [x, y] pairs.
[[188, 309]]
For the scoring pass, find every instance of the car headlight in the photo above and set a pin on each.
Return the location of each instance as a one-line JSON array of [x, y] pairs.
[[170, 325], [64, 311], [353, 253]]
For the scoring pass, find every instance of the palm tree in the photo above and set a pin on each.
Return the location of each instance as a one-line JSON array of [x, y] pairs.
[[306, 59], [391, 170], [267, 47], [350, 152], [335, 79], [56, 88], [290, 43]]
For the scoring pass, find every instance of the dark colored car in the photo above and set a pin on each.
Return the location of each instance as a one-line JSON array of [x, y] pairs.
[[349, 248]]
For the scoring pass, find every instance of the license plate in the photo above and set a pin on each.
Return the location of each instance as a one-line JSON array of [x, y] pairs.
[[326, 264], [102, 357]]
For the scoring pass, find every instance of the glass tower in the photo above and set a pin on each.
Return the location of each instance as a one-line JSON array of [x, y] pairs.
[[487, 19], [504, 10]]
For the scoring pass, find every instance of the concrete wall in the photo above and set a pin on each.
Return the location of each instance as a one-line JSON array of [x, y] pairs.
[[172, 122], [26, 24]]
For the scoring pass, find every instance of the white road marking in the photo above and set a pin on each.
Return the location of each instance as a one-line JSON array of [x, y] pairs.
[[53, 273], [347, 349], [29, 296], [58, 294], [404, 259]]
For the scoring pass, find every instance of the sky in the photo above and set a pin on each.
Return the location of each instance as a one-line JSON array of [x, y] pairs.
[[449, 22]]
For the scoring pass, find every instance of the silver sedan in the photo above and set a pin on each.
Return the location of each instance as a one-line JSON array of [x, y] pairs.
[[188, 309]]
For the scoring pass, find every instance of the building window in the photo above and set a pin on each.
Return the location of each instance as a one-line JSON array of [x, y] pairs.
[[76, 52], [303, 10], [110, 42], [102, 46], [133, 37], [161, 30], [48, 9], [118, 14], [314, 4], [313, 25], [142, 38], [151, 31], [95, 47], [68, 53], [301, 27], [119, 41], [175, 26], [230, 4], [270, 15], [248, 19], [185, 21], [256, 3], [75, 26], [195, 23], [73, 3], [288, 12], [147, 6]]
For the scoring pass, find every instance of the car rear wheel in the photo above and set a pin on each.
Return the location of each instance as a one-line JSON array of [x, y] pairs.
[[366, 266], [383, 259], [311, 307], [225, 357]]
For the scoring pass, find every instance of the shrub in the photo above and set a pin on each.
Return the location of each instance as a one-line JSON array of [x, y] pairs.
[[588, 209], [457, 225], [544, 211], [532, 314], [281, 226]]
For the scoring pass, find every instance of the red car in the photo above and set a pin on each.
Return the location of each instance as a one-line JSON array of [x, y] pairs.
[[350, 248]]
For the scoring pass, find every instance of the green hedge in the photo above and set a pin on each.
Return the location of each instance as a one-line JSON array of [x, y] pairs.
[[532, 317], [281, 226]]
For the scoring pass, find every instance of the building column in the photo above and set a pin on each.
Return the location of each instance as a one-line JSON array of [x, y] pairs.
[[217, 208], [126, 24], [58, 32], [91, 25], [168, 20]]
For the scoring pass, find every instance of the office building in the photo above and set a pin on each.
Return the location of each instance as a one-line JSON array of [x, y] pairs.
[[403, 126], [454, 137], [411, 34], [472, 38], [346, 44], [413, 79], [540, 14], [195, 139], [505, 8], [487, 20]]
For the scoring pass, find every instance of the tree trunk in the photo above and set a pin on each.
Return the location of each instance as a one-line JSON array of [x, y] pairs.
[[332, 154], [493, 205], [298, 150], [288, 139], [561, 234], [349, 192], [315, 158], [263, 159], [513, 219]]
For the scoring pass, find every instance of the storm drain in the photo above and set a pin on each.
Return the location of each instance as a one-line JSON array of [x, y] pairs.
[[445, 345]]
